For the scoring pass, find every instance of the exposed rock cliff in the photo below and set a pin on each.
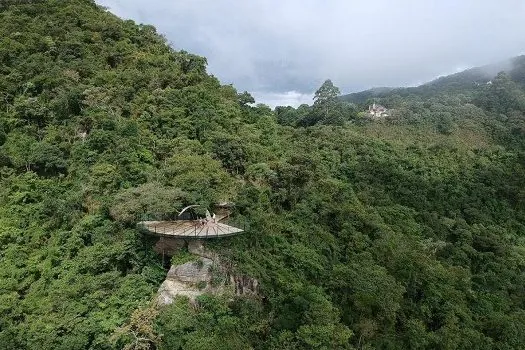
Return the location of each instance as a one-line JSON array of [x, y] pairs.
[[203, 275]]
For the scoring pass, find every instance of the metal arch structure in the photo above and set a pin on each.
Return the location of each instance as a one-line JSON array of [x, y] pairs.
[[188, 207]]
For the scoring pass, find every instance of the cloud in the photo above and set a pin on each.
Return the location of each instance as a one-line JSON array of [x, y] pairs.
[[288, 98], [278, 48]]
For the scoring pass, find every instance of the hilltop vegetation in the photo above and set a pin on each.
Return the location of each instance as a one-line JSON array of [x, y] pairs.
[[407, 233], [466, 82]]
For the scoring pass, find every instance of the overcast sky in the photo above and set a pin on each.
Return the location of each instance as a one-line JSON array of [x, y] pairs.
[[282, 50]]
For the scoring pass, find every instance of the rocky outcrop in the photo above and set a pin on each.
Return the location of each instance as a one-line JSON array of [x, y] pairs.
[[196, 246], [244, 285], [190, 279], [170, 289], [203, 275]]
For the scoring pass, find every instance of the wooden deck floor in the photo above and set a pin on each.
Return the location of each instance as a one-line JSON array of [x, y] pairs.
[[188, 229]]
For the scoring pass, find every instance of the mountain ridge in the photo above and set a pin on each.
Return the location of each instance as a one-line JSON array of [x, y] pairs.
[[464, 80], [405, 232]]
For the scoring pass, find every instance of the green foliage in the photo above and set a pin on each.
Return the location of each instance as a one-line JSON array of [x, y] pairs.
[[133, 204], [139, 332], [401, 233], [182, 256], [245, 98], [326, 94], [328, 109], [212, 324]]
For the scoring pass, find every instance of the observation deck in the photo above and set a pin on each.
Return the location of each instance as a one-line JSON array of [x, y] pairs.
[[190, 226]]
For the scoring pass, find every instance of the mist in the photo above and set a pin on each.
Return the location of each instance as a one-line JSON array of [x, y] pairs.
[[281, 52]]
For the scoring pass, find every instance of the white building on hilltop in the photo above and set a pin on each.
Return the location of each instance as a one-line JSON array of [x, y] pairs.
[[377, 111]]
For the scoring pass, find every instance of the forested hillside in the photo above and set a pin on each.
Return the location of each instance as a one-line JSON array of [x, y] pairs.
[[467, 81], [402, 233]]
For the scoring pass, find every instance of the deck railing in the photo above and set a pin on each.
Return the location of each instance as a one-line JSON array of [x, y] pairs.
[[189, 229]]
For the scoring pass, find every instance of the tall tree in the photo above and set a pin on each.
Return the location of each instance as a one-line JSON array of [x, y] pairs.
[[326, 100]]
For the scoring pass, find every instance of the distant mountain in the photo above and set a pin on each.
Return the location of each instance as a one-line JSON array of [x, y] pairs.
[[403, 231], [517, 72], [362, 96], [463, 82]]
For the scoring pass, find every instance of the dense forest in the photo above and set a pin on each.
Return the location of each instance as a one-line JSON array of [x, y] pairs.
[[406, 232]]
